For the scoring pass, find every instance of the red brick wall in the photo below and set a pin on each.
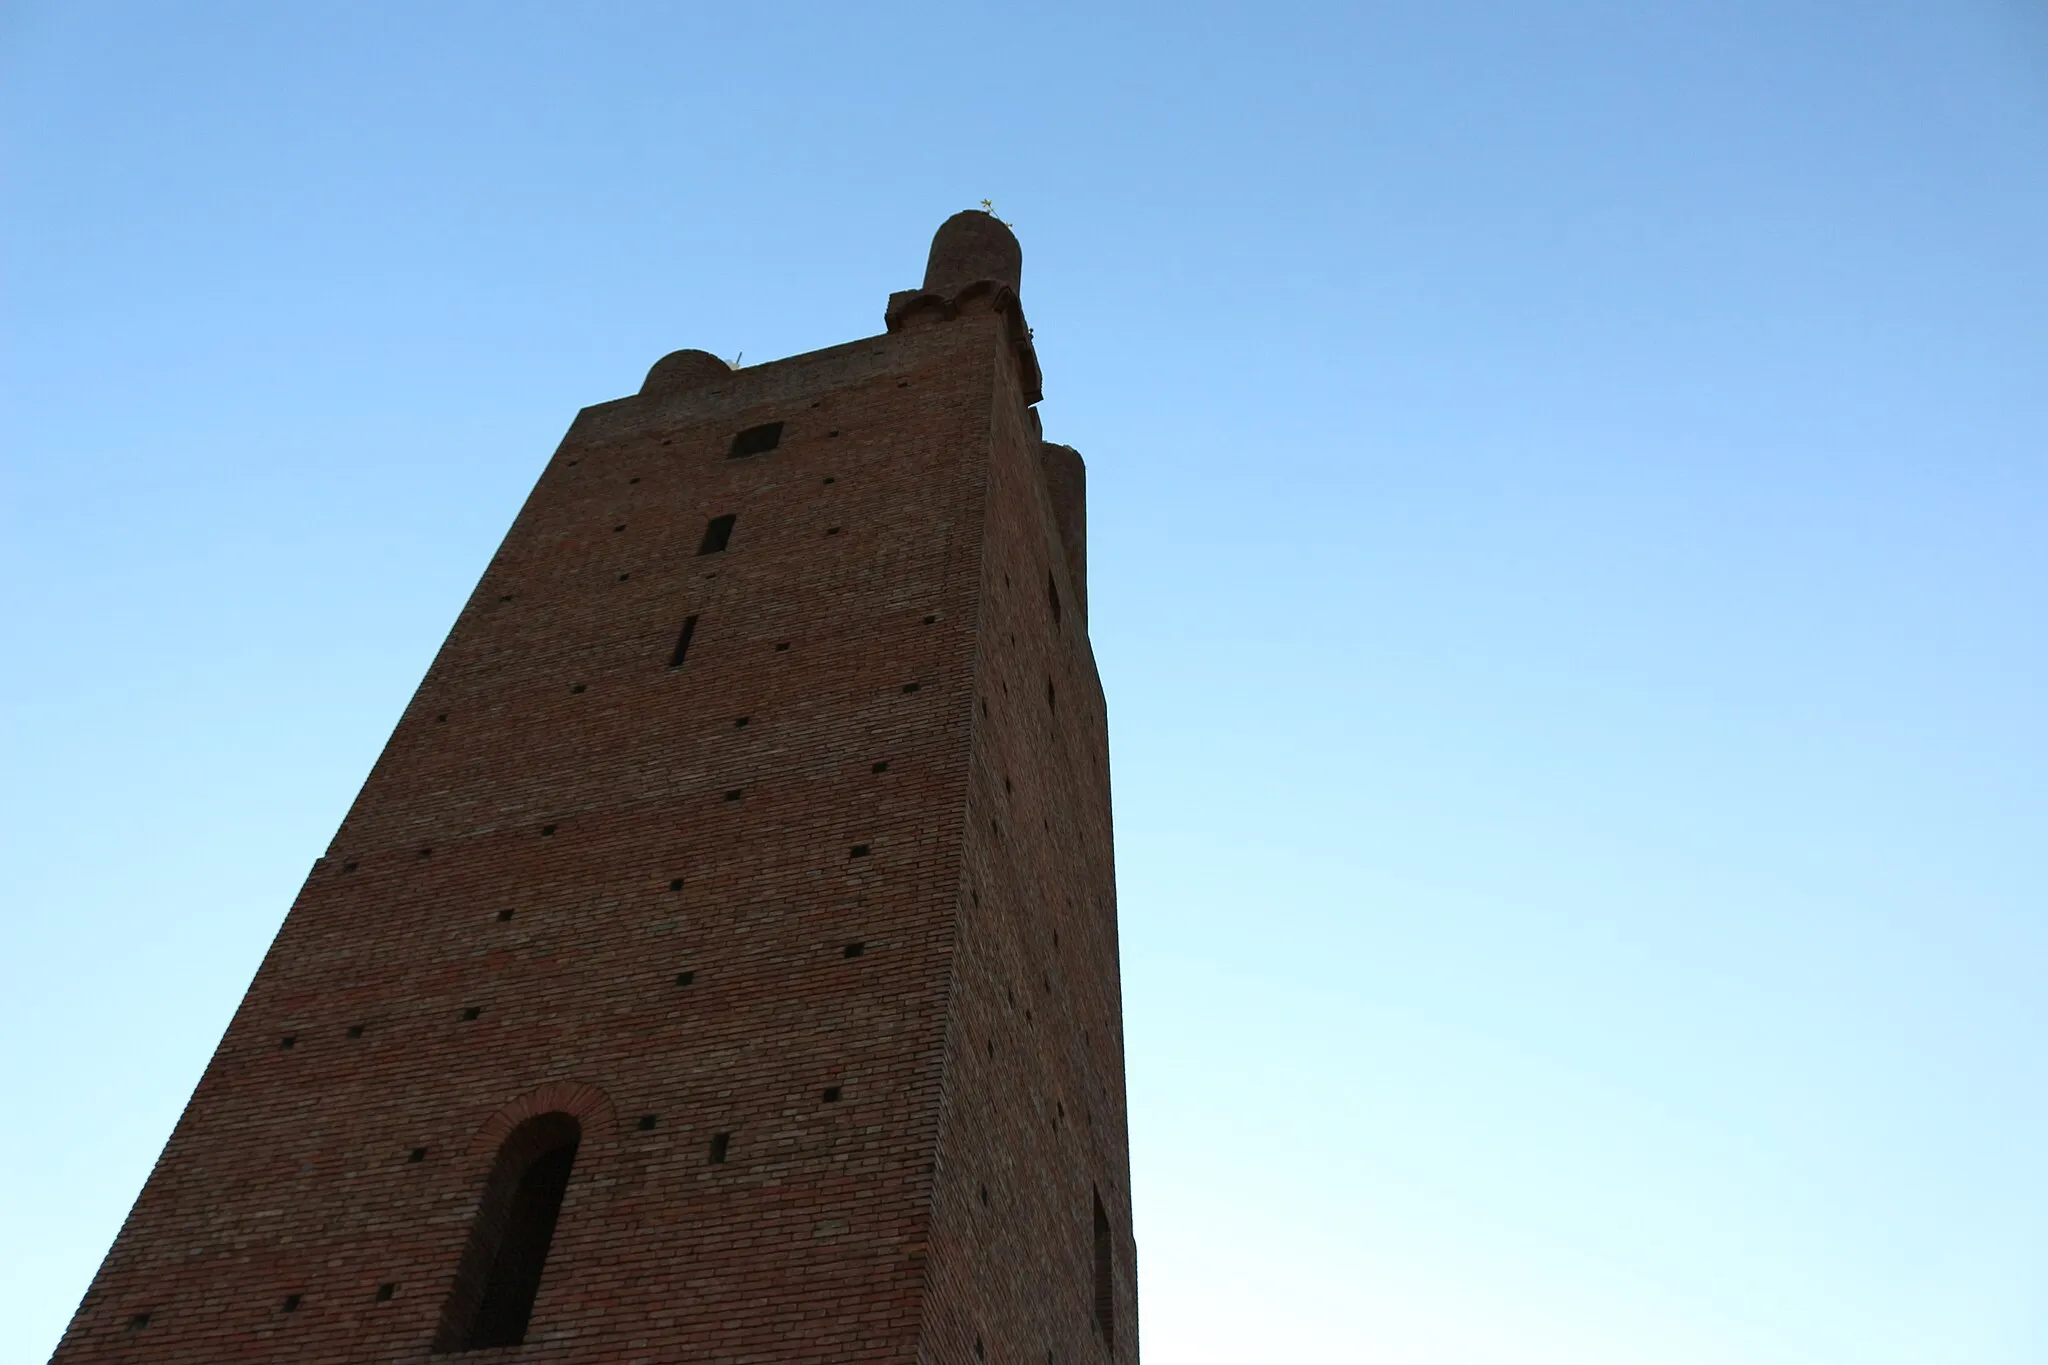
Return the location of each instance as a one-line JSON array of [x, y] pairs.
[[885, 578]]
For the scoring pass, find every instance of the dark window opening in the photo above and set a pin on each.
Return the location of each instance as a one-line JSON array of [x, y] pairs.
[[1105, 1295], [492, 1301], [720, 1142], [717, 534], [683, 642], [386, 1292], [1052, 590], [756, 440], [138, 1322], [291, 1303]]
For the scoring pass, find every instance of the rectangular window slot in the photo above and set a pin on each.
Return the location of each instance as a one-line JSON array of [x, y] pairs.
[[291, 1303], [386, 1292], [474, 1012], [831, 1094], [1052, 590], [647, 1123], [683, 642], [733, 795], [717, 534], [288, 1042], [910, 687], [685, 978], [675, 883], [138, 1322], [720, 1144], [416, 1154], [355, 1030], [756, 441], [881, 767], [1105, 1288], [855, 949], [504, 917], [858, 851]]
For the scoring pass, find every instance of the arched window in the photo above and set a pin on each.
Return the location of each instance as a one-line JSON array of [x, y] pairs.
[[492, 1300]]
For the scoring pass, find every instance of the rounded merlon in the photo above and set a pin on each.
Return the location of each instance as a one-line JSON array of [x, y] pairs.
[[681, 370], [970, 247]]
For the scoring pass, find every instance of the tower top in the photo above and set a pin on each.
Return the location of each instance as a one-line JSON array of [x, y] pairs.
[[970, 247]]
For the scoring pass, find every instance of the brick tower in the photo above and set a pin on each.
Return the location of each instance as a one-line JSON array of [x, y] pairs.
[[720, 963]]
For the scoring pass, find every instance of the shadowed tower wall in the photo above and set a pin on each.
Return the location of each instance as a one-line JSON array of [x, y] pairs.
[[720, 962]]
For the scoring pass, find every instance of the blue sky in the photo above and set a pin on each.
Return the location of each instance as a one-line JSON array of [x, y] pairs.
[[1568, 494]]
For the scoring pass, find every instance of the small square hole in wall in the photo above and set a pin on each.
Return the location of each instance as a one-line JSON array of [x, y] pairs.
[[685, 978], [675, 883], [781, 645], [855, 949], [416, 1154], [739, 722], [138, 1322], [833, 432], [910, 687], [881, 767], [831, 530], [426, 853], [577, 688], [441, 719], [756, 441], [830, 479], [288, 1042], [858, 851], [620, 527], [979, 1353], [831, 1095], [504, 917], [930, 619], [546, 830], [355, 1030], [386, 1293], [624, 576], [474, 1012], [721, 1143], [717, 534], [348, 867], [647, 1123], [733, 795], [505, 597], [291, 1303]]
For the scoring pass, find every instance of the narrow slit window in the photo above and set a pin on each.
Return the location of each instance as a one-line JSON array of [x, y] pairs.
[[1052, 592], [1105, 1292], [756, 441], [717, 533], [499, 1278], [683, 642]]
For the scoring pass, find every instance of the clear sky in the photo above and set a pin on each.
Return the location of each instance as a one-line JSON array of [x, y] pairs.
[[1569, 488]]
